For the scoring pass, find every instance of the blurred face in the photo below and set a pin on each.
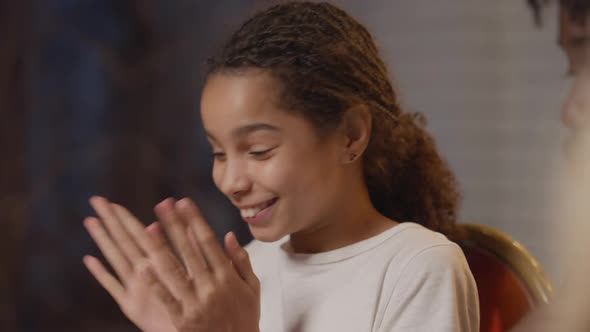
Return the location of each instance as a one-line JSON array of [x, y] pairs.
[[574, 39], [269, 162]]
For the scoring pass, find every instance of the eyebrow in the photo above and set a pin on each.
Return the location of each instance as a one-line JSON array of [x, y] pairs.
[[248, 129]]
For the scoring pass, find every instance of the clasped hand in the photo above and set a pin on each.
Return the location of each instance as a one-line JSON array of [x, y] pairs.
[[184, 281]]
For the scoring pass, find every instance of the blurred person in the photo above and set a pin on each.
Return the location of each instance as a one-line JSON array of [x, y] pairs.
[[574, 40], [344, 192], [568, 310]]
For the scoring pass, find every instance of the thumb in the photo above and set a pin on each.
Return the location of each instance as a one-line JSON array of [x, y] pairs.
[[241, 260]]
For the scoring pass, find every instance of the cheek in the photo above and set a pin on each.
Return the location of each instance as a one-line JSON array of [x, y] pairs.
[[217, 174], [276, 175], [305, 178]]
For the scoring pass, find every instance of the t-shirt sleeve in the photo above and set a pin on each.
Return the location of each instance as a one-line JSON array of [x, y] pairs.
[[435, 292]]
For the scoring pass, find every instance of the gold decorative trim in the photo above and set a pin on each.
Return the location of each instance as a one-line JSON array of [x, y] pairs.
[[515, 255]]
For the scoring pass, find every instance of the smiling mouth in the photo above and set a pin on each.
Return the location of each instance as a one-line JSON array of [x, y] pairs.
[[253, 211]]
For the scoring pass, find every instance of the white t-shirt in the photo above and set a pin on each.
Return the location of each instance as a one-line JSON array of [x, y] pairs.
[[405, 279]]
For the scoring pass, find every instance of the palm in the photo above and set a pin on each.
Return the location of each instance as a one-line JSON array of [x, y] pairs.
[[144, 309], [129, 287], [158, 305]]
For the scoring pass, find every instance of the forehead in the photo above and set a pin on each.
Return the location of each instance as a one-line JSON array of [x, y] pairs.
[[232, 101], [236, 98], [254, 89]]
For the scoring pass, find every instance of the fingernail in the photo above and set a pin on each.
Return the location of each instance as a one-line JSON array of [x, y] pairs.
[[183, 203], [88, 221], [156, 226], [155, 231], [233, 240], [166, 204], [159, 206]]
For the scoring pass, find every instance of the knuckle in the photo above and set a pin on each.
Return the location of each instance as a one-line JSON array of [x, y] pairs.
[[167, 298], [160, 248], [184, 248], [178, 271], [210, 295], [242, 255], [224, 274]]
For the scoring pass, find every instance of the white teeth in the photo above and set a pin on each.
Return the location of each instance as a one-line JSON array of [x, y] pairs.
[[248, 213], [251, 212]]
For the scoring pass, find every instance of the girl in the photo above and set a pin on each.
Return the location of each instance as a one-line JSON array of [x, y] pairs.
[[344, 192]]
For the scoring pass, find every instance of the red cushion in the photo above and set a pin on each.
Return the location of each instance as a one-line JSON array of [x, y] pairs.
[[503, 297]]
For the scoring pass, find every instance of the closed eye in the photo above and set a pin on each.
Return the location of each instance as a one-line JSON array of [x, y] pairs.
[[261, 153], [218, 156]]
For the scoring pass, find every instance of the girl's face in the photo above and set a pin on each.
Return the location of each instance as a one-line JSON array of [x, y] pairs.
[[574, 39], [270, 162]]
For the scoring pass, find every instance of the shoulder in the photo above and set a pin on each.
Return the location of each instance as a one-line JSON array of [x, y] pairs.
[[426, 250], [425, 257], [417, 243], [438, 260], [434, 281]]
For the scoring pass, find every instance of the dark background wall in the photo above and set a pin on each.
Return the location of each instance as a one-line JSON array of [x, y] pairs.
[[14, 24], [97, 97]]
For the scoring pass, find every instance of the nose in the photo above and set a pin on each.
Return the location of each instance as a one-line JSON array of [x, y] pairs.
[[575, 113], [234, 180]]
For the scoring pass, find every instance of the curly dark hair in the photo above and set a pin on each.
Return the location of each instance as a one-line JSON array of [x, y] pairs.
[[327, 62], [579, 10]]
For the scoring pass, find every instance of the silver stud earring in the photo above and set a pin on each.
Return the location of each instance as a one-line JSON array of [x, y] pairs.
[[352, 157]]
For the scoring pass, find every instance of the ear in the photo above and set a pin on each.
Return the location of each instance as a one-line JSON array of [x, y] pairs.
[[356, 126]]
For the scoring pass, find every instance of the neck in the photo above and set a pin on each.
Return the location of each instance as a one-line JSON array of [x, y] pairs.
[[356, 219]]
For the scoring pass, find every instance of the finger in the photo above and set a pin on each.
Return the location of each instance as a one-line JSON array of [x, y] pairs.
[[169, 270], [241, 260], [197, 249], [210, 248], [150, 281], [117, 232], [132, 226], [177, 233], [104, 278], [108, 248]]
